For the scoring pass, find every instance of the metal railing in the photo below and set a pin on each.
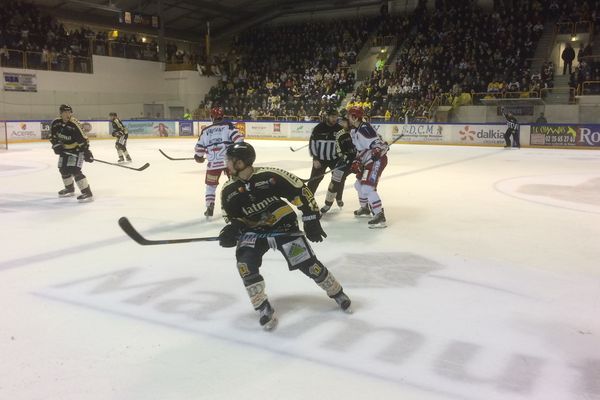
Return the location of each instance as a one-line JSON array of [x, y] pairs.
[[381, 41], [571, 92], [573, 28], [588, 88], [45, 61]]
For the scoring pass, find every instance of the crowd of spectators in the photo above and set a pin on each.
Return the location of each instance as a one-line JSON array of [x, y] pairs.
[[460, 49], [48, 44], [23, 28], [292, 70]]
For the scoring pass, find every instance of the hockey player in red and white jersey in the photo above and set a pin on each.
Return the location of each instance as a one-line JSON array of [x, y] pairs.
[[212, 146], [368, 165]]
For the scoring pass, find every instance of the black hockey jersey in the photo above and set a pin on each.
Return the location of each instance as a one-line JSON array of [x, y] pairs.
[[258, 202], [512, 123], [322, 143], [69, 134], [118, 127]]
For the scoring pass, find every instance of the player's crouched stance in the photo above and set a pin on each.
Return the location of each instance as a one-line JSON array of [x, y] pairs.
[[260, 219]]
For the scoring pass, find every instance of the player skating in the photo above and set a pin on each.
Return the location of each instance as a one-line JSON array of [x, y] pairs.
[[368, 165], [72, 147], [211, 146], [252, 202], [120, 132]]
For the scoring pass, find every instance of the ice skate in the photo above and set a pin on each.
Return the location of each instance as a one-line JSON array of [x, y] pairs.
[[340, 203], [377, 221], [326, 208], [66, 192], [343, 301], [267, 320], [85, 197], [121, 160], [209, 210], [362, 212]]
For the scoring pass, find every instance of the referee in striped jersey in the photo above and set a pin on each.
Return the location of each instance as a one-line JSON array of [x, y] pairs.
[[322, 147]]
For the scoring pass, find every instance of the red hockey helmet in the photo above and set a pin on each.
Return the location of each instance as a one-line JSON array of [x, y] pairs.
[[216, 113], [356, 112]]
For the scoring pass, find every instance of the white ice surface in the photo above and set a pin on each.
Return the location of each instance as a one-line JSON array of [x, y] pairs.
[[485, 285]]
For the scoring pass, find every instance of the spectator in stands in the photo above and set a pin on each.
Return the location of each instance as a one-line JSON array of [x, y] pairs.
[[568, 55], [541, 119]]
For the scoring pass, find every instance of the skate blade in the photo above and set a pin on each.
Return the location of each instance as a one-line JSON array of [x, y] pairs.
[[348, 310], [272, 324], [378, 226], [61, 196], [88, 200]]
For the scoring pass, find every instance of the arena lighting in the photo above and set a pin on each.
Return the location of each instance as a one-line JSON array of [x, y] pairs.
[[143, 39], [573, 37]]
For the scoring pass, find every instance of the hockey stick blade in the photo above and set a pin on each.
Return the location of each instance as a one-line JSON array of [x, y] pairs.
[[143, 167], [137, 237], [175, 158], [299, 148]]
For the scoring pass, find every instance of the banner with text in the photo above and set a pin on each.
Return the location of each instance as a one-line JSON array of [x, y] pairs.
[[18, 82], [151, 128], [554, 135], [24, 130]]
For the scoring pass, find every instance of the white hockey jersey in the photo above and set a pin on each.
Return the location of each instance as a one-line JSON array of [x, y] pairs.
[[213, 142], [366, 139]]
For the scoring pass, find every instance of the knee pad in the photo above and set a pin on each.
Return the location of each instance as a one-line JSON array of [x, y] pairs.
[[315, 271], [79, 176]]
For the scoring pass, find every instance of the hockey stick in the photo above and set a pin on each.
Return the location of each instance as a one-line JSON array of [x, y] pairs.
[[175, 158], [136, 236], [299, 148], [314, 178], [143, 167]]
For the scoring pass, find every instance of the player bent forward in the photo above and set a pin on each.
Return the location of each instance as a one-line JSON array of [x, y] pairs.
[[253, 204]]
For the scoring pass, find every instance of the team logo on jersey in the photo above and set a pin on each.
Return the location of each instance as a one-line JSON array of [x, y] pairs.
[[260, 206]]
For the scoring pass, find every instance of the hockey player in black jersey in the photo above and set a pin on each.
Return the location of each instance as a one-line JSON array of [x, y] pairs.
[[72, 146], [258, 219], [324, 148], [119, 131], [513, 129]]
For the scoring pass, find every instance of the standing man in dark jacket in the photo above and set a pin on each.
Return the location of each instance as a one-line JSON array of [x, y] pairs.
[[568, 55]]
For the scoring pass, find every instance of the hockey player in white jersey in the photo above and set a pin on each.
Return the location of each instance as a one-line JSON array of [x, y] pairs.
[[211, 147], [368, 165]]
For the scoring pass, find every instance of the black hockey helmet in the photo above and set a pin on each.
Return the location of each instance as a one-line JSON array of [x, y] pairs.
[[65, 107], [112, 114], [242, 151]]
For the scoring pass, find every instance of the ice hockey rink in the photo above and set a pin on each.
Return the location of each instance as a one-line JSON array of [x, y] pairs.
[[485, 285]]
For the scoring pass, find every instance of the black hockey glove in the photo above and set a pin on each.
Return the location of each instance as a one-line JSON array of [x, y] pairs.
[[58, 148], [198, 159], [312, 228], [88, 156], [230, 234]]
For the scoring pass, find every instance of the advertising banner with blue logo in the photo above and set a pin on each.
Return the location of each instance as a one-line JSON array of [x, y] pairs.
[[186, 128]]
